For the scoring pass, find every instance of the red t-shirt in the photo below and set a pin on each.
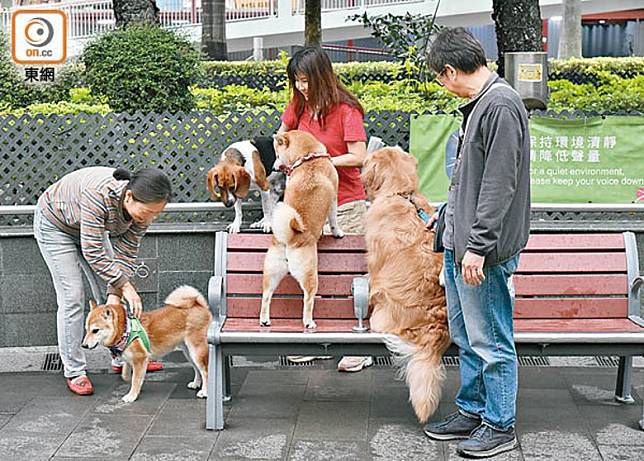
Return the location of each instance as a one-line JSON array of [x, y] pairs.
[[342, 124]]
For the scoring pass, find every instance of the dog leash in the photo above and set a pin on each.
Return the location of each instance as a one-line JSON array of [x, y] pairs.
[[288, 169]]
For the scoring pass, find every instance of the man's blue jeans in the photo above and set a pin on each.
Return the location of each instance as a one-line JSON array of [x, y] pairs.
[[480, 324]]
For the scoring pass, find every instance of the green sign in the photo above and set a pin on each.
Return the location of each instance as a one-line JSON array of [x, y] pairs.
[[598, 160]]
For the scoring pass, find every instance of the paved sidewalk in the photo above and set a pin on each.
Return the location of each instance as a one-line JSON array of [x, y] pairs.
[[304, 413]]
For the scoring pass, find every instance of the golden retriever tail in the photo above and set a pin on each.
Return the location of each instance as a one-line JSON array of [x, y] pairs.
[[286, 222], [423, 372], [187, 297]]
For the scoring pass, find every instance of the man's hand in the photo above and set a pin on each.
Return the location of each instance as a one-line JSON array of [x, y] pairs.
[[472, 267], [133, 299], [431, 224]]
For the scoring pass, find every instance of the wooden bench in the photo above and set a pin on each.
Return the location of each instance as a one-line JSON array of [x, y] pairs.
[[576, 294]]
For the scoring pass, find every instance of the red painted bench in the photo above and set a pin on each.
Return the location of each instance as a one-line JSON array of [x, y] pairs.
[[576, 294]]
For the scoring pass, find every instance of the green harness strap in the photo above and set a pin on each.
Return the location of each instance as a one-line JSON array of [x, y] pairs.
[[137, 331]]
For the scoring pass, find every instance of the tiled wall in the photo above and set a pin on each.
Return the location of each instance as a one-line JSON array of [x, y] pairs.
[[28, 301]]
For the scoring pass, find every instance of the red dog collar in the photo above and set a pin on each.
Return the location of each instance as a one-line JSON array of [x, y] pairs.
[[288, 169]]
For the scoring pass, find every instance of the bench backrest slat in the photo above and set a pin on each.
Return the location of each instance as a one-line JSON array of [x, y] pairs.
[[544, 308], [290, 308], [577, 262], [328, 263], [590, 242]]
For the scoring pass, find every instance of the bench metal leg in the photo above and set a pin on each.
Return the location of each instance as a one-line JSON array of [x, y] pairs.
[[227, 364], [215, 403], [623, 386]]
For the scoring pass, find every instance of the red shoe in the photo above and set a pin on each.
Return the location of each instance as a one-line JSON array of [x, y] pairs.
[[152, 366], [80, 385]]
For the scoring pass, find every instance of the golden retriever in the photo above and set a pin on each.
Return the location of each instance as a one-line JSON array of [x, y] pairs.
[[183, 322], [404, 290], [309, 199]]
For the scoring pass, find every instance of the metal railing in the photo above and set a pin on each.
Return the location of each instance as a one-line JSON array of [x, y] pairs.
[[17, 210], [340, 5]]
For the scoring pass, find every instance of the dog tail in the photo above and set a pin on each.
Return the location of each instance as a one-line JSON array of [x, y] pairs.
[[187, 297], [286, 222], [423, 371]]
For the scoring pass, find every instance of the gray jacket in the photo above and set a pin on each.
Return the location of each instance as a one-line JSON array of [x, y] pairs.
[[488, 209]]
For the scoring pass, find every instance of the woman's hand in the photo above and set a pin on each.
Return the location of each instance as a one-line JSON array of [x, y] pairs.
[[113, 299], [132, 298]]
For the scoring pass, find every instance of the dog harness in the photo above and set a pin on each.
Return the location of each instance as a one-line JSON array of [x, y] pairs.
[[288, 169], [133, 329]]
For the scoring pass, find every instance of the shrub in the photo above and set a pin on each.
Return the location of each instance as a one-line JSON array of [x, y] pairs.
[[142, 68]]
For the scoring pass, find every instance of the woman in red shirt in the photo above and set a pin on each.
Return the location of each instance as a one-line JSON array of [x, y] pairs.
[[322, 106]]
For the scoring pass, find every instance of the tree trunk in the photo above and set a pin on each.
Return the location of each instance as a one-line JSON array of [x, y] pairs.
[[313, 23], [570, 38], [518, 27], [129, 12], [213, 35]]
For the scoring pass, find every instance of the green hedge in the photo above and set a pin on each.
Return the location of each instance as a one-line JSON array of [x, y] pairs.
[[614, 94], [624, 67]]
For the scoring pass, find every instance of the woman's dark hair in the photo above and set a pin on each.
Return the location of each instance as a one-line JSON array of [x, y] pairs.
[[325, 89], [458, 48], [148, 185]]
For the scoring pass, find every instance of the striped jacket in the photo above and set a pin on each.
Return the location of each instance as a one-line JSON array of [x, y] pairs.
[[87, 204]]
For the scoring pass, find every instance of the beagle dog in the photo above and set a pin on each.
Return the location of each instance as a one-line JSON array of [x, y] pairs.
[[242, 165]]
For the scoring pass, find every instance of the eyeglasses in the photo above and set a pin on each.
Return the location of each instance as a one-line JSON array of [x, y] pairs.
[[439, 76]]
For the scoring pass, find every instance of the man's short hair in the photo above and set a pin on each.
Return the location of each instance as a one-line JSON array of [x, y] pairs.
[[458, 48]]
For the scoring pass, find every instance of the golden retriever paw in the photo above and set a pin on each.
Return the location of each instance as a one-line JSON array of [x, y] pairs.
[[194, 385], [129, 397], [337, 232], [202, 394]]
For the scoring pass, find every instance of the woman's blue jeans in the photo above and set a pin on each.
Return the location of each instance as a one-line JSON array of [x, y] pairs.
[[480, 324]]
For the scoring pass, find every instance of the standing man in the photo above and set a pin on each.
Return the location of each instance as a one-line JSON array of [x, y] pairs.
[[487, 224]]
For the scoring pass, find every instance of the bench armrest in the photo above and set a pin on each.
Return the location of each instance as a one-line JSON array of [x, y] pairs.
[[360, 292], [215, 298], [216, 295]]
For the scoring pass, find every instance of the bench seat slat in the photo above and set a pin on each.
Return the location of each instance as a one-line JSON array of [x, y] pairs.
[[336, 263], [520, 326], [246, 242], [554, 242], [291, 308], [622, 325], [573, 262], [571, 285], [289, 325], [251, 284], [541, 308]]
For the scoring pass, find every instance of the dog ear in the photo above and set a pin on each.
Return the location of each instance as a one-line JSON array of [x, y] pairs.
[[242, 182], [282, 139], [370, 175], [212, 183], [92, 304]]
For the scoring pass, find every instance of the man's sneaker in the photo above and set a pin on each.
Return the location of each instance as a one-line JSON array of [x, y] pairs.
[[455, 426], [486, 441]]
